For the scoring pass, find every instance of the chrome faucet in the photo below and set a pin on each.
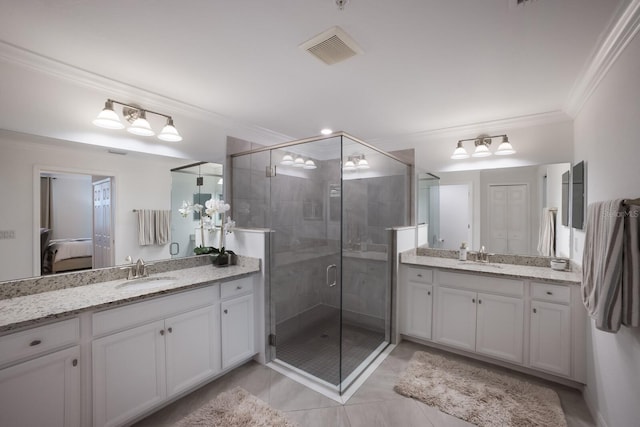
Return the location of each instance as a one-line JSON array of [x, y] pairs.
[[483, 256], [141, 268]]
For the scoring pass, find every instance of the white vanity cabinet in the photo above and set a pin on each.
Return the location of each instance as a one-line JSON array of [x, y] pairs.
[[417, 297], [237, 321], [484, 315], [139, 367], [488, 324], [40, 383], [550, 339]]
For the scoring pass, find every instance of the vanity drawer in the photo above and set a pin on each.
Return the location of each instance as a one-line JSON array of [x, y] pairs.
[[32, 342], [419, 275], [552, 293], [236, 288]]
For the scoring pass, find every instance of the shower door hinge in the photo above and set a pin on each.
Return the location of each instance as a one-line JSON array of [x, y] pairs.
[[272, 339], [271, 171]]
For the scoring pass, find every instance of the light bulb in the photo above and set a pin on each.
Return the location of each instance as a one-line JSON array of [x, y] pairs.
[[169, 132], [107, 118], [141, 126]]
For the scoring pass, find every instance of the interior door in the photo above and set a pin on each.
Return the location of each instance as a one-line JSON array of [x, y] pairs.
[[102, 224], [508, 219]]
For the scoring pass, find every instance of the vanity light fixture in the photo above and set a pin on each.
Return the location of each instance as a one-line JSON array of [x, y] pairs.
[[355, 162], [287, 160], [137, 116], [482, 148], [460, 153], [482, 144], [505, 147]]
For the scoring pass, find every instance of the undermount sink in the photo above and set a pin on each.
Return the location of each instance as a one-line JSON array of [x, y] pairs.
[[480, 264], [146, 283]]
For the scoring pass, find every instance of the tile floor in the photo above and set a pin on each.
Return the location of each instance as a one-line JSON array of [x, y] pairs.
[[374, 404]]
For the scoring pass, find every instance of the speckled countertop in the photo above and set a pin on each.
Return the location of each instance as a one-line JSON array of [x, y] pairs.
[[31, 309], [508, 270]]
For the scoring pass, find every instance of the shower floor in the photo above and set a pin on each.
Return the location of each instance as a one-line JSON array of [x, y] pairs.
[[316, 349]]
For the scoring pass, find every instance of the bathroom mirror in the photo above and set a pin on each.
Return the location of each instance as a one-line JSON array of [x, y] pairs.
[[501, 209], [139, 181]]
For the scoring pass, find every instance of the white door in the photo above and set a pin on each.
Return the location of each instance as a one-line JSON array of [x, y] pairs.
[[42, 392], [455, 221], [518, 219], [102, 224], [418, 305], [193, 354], [508, 219], [237, 330], [500, 327], [456, 318], [128, 374], [550, 337]]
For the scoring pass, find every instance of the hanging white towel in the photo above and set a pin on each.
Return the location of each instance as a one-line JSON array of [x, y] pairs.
[[547, 238], [146, 227], [602, 264], [162, 228], [631, 268]]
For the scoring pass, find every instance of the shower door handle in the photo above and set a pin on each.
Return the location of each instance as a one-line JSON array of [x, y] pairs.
[[331, 284]]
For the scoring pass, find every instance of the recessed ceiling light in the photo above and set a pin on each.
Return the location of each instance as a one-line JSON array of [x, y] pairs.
[[326, 131]]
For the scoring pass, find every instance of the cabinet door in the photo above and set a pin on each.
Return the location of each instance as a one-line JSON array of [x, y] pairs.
[[418, 309], [550, 337], [193, 348], [500, 327], [42, 392], [237, 330], [456, 321], [128, 373]]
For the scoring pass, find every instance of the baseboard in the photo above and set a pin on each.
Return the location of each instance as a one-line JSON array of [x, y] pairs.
[[593, 407]]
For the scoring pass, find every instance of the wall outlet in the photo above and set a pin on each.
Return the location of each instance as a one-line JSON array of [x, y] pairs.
[[7, 234]]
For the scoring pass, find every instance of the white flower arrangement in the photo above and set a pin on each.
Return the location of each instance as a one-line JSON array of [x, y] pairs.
[[207, 220]]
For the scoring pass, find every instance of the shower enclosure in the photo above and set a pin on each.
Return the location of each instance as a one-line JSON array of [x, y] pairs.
[[330, 203]]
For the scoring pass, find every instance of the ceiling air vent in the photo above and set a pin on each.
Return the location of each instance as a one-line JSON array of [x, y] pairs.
[[332, 46]]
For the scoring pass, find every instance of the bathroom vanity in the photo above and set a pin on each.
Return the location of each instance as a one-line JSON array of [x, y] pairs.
[[523, 317], [107, 353]]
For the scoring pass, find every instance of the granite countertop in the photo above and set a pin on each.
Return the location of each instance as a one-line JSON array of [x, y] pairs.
[[508, 270], [29, 310]]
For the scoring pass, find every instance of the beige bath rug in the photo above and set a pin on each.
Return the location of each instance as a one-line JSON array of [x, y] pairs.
[[477, 395], [236, 408]]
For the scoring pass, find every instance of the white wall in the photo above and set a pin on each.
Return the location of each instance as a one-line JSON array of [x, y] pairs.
[[607, 138], [141, 182]]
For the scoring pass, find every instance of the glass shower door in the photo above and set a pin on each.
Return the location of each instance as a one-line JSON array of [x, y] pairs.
[[305, 218]]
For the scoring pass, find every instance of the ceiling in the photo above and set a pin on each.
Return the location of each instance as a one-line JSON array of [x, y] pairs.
[[234, 67]]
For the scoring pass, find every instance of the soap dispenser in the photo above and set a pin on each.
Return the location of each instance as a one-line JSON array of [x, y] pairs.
[[463, 252]]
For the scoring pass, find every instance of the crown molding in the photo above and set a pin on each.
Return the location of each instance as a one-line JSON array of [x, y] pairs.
[[473, 129], [616, 37], [13, 54]]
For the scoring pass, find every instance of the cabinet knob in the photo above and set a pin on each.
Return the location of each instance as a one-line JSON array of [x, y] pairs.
[[161, 331], [170, 329], [35, 343], [473, 300], [238, 288], [535, 311], [479, 301], [549, 293], [419, 275], [74, 362], [226, 311], [428, 292]]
